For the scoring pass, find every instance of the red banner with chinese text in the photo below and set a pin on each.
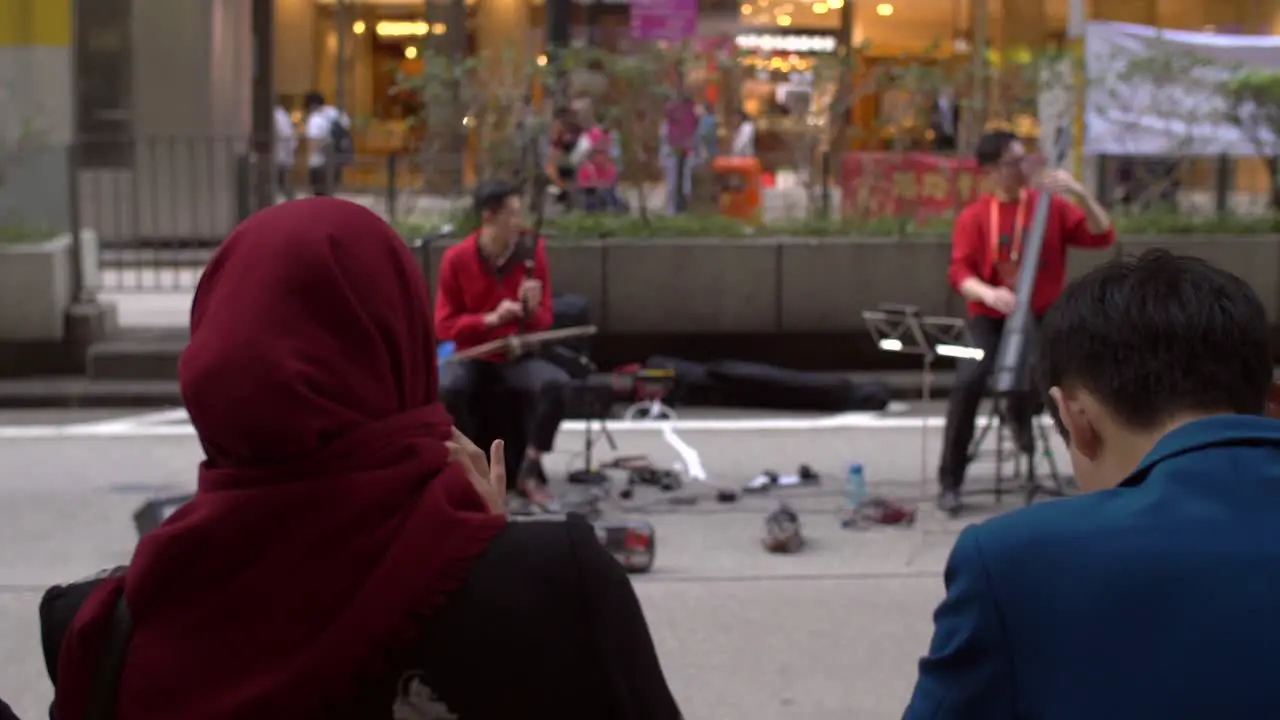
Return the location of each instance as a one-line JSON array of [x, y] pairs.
[[922, 186]]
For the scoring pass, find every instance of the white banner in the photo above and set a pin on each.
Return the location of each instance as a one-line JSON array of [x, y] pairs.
[[1159, 92]]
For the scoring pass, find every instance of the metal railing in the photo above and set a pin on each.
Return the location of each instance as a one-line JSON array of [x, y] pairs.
[[159, 206]]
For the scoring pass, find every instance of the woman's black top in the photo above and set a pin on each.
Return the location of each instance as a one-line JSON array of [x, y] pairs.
[[546, 625]]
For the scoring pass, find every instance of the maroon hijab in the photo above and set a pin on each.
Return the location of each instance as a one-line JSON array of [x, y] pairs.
[[328, 516]]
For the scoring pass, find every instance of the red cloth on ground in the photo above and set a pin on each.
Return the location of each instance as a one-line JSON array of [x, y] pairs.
[[327, 516]]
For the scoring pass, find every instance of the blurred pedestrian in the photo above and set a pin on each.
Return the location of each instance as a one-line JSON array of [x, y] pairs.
[[744, 136], [286, 142], [598, 175], [677, 145], [708, 134], [329, 144], [562, 139]]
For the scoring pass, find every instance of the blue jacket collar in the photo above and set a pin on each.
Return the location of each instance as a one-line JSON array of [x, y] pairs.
[[1218, 431]]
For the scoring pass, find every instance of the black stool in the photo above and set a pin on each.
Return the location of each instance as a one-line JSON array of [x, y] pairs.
[[499, 412]]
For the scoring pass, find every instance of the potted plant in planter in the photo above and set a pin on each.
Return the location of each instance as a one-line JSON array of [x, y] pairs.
[[37, 271]]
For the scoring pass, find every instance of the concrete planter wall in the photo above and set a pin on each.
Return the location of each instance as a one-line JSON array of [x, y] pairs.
[[35, 289], [812, 285]]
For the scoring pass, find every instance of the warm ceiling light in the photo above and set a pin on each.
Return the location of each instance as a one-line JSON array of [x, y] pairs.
[[542, 61], [784, 20], [884, 9], [819, 8], [835, 4], [400, 28], [411, 52], [358, 27], [746, 9], [439, 28]]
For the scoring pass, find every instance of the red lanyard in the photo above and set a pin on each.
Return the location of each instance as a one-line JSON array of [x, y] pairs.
[[1019, 221]]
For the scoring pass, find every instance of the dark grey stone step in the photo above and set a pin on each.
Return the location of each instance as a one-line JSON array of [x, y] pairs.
[[72, 392], [139, 356]]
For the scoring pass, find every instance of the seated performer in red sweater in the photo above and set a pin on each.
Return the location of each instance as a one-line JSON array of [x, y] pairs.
[[986, 252], [494, 285]]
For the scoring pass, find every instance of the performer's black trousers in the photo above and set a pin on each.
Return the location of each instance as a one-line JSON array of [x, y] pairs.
[[539, 382], [972, 380]]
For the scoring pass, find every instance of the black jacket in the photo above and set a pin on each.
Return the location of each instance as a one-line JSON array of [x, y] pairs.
[[546, 625]]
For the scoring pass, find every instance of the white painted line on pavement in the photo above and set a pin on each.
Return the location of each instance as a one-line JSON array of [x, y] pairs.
[[119, 432], [842, 421], [173, 415], [690, 457]]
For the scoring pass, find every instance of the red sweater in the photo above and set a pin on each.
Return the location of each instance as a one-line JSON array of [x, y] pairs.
[[468, 288], [971, 254]]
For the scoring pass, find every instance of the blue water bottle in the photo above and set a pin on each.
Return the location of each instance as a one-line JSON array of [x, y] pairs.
[[855, 486]]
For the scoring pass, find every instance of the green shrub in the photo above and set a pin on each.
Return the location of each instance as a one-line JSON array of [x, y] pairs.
[[20, 234], [1170, 223]]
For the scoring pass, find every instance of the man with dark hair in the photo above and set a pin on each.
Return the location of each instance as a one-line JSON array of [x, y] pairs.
[[495, 284], [1156, 595], [986, 253]]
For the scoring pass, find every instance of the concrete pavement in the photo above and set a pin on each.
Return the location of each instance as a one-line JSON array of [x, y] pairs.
[[831, 633]]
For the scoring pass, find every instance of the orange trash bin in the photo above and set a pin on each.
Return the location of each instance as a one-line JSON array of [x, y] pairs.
[[738, 181]]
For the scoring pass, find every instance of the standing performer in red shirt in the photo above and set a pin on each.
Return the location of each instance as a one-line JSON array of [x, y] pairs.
[[492, 286], [985, 254]]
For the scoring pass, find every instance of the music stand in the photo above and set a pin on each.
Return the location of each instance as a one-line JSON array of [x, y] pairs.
[[901, 329]]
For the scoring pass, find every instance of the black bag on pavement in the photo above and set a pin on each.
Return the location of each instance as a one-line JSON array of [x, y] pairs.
[[765, 386], [694, 385]]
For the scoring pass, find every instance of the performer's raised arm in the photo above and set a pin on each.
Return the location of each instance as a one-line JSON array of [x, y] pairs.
[[1085, 223]]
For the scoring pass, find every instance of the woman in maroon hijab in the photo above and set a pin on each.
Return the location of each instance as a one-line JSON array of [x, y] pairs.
[[340, 557]]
